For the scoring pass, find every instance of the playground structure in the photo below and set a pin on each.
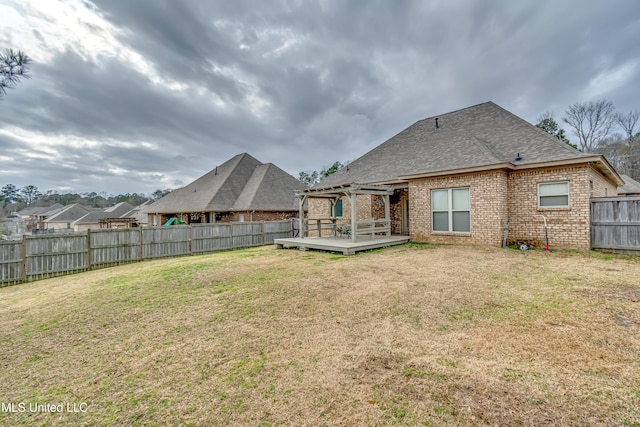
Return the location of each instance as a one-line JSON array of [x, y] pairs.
[[174, 220]]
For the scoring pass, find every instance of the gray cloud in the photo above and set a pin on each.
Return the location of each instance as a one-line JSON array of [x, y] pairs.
[[299, 84]]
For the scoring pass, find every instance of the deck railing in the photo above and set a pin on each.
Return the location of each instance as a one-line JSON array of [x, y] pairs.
[[328, 227]]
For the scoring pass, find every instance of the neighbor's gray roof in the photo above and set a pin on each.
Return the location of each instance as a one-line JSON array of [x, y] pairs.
[[41, 210], [242, 183], [477, 136], [631, 186], [115, 211], [69, 213], [136, 212], [48, 211]]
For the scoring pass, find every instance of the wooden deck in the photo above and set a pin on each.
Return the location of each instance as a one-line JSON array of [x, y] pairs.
[[345, 246]]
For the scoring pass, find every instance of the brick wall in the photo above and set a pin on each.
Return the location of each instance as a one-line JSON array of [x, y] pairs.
[[319, 209], [495, 196], [499, 195], [395, 210], [567, 227], [601, 187], [487, 192]]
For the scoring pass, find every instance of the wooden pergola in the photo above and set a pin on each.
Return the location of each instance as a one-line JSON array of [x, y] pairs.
[[122, 222], [351, 191]]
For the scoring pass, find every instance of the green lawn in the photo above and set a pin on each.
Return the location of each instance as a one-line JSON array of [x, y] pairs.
[[411, 335]]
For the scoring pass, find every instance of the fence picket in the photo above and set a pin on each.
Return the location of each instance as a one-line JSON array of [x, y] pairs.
[[615, 223], [42, 256]]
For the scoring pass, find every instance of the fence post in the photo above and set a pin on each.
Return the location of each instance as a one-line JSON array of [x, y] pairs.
[[89, 249], [190, 240], [24, 257], [263, 233], [141, 245]]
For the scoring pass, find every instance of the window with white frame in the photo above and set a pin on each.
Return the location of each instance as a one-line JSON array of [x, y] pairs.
[[553, 194], [451, 210]]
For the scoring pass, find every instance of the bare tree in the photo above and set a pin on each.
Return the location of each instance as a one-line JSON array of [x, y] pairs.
[[623, 150], [628, 123], [591, 122], [13, 67]]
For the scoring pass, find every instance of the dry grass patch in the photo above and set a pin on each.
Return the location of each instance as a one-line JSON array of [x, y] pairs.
[[411, 335]]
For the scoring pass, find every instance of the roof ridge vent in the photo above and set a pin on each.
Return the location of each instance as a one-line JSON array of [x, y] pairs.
[[437, 125]]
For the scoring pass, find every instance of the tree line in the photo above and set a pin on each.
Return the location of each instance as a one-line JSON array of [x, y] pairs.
[[14, 199], [311, 178], [600, 129]]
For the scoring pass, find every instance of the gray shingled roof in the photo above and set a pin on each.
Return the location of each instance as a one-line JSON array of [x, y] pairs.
[[242, 183], [115, 211], [69, 213], [631, 186], [51, 210], [137, 213], [477, 136], [41, 210]]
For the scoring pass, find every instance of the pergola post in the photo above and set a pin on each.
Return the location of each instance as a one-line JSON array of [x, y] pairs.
[[302, 198], [353, 198], [387, 213]]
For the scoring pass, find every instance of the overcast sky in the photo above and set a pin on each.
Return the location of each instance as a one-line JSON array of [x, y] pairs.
[[133, 96]]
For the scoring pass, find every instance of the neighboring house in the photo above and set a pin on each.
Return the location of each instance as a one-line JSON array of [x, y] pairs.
[[137, 215], [110, 217], [34, 216], [461, 177], [64, 218], [631, 187], [241, 189]]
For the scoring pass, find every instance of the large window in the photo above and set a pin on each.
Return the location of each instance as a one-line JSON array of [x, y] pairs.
[[451, 210], [553, 194], [335, 210]]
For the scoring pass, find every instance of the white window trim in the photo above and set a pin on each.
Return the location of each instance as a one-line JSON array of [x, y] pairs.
[[450, 210], [567, 206]]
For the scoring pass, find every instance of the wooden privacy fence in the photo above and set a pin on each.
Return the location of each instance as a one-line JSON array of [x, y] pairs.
[[41, 256], [615, 223]]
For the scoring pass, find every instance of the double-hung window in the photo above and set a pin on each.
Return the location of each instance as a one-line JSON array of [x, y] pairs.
[[451, 210], [553, 194]]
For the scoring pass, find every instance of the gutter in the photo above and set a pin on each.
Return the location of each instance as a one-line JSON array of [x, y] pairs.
[[598, 161]]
